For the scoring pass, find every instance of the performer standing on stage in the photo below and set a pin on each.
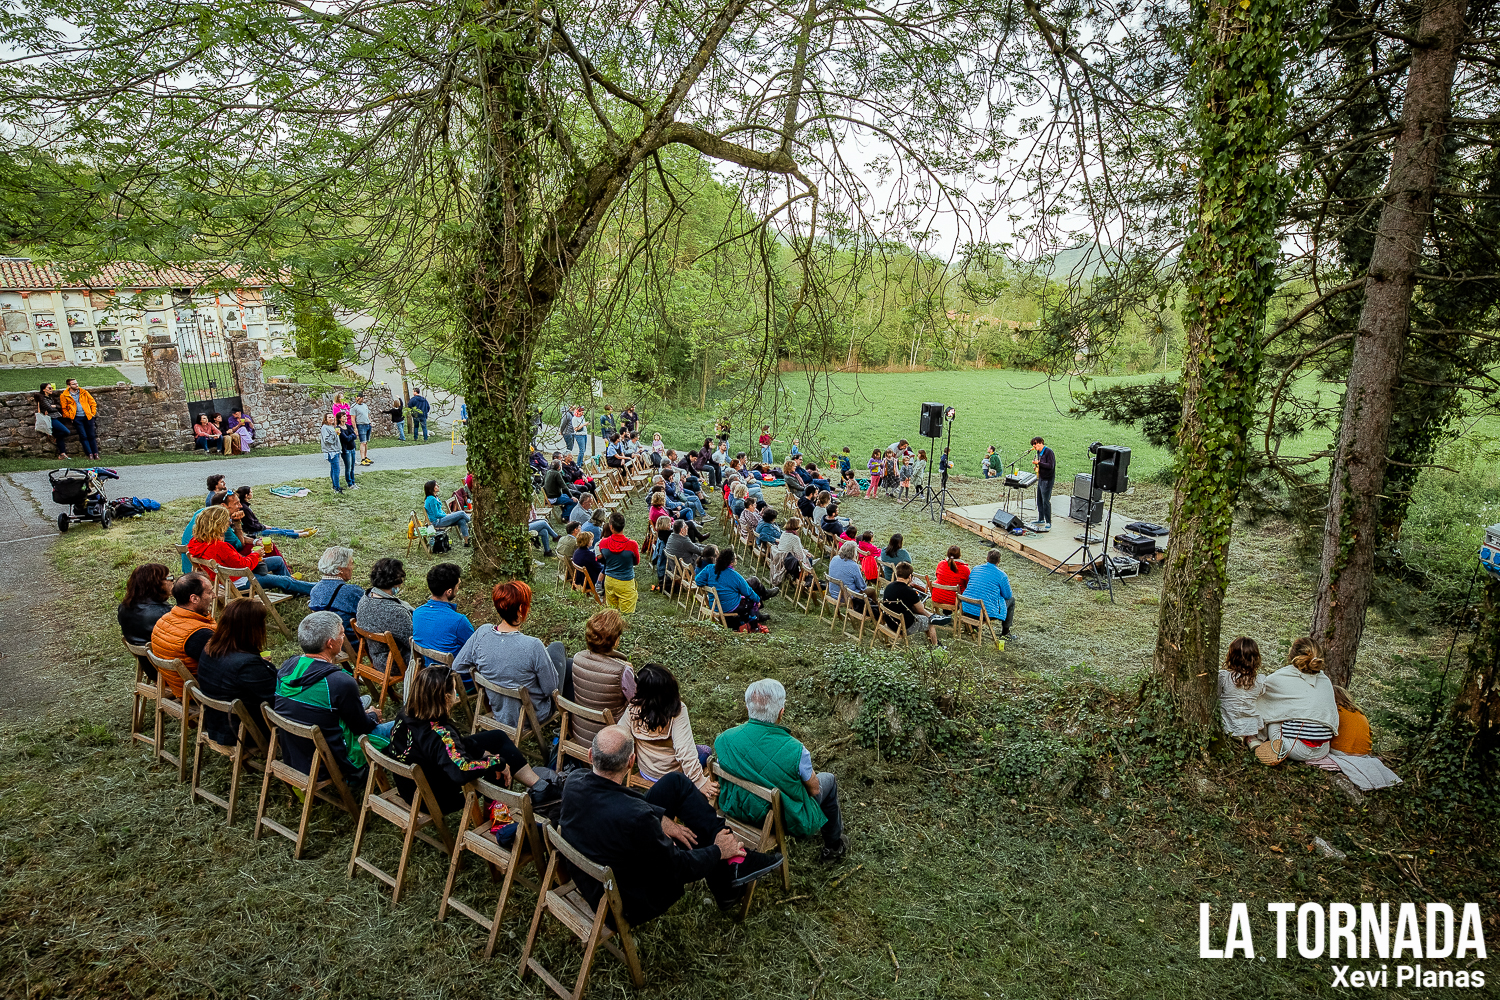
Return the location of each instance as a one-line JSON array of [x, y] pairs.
[[1045, 464]]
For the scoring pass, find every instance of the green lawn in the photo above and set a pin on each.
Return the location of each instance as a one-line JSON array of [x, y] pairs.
[[27, 379], [1041, 851]]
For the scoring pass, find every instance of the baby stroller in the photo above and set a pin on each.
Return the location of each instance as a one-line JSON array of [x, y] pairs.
[[79, 489]]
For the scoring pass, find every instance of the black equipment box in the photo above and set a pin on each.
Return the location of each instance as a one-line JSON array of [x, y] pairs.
[[1021, 480], [1006, 521], [1078, 509], [1137, 546], [1083, 483], [1147, 528], [1117, 566]]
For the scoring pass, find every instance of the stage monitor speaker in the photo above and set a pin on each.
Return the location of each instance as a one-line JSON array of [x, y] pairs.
[[1083, 483], [1110, 473], [932, 420], [1006, 521], [1078, 508]]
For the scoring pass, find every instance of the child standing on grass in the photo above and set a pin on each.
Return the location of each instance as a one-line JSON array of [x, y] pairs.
[[906, 474], [888, 474], [796, 451], [765, 444], [873, 467]]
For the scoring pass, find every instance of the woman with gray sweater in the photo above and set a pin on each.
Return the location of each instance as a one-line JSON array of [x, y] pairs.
[[328, 437], [380, 610]]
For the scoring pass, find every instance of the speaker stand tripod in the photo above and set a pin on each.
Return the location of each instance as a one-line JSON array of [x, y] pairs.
[[1090, 561]]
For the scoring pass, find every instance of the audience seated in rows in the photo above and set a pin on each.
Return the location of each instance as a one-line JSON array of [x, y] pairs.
[[664, 742], [424, 734], [231, 666], [764, 752], [381, 610], [909, 602], [313, 690], [601, 678], [502, 654], [334, 591], [951, 572], [148, 596], [844, 569], [181, 633], [655, 843], [789, 558], [740, 598]]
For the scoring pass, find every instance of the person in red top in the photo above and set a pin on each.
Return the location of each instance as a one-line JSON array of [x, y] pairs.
[[620, 556], [208, 543], [765, 444], [951, 572]]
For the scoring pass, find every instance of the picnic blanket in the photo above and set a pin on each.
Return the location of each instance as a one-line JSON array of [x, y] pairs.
[[288, 491], [1367, 772]]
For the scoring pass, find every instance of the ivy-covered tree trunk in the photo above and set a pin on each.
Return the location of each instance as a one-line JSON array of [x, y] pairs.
[[1352, 525], [1478, 704], [499, 314], [1229, 267]]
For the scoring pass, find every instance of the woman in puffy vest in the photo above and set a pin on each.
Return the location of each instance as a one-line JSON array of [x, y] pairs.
[[602, 679]]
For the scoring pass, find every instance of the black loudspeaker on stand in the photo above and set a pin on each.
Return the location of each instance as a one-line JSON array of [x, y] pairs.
[[1111, 464], [932, 421], [934, 417]]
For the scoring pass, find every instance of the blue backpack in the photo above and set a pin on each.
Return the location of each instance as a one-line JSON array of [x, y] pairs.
[[142, 504]]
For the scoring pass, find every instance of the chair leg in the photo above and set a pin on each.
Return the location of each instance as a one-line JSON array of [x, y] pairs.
[[749, 897], [184, 728], [510, 877], [406, 842], [265, 791], [309, 796], [536, 916], [359, 829], [196, 771], [236, 771]]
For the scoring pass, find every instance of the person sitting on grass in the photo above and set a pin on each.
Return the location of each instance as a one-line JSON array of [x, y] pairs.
[[313, 690], [440, 518], [502, 654], [656, 843], [740, 599], [148, 594], [848, 483], [181, 633], [664, 743], [951, 572], [381, 610], [216, 484], [989, 585], [1239, 686], [206, 435], [231, 666], [424, 734], [253, 527], [601, 678], [1298, 708], [208, 544], [907, 601], [764, 752]]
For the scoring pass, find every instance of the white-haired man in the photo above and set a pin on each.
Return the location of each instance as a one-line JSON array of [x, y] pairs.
[[313, 690], [764, 752], [656, 843]]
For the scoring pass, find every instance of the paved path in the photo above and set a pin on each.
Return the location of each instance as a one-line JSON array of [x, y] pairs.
[[35, 667]]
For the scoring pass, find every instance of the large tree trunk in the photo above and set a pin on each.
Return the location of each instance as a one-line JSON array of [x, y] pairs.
[[1229, 267], [1478, 704], [500, 316], [1358, 475]]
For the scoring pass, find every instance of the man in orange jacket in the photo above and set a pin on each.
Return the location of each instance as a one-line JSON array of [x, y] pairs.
[[79, 407]]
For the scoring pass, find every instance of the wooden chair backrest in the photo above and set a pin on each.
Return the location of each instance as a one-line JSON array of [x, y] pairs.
[[234, 709], [890, 622], [712, 606], [771, 824], [566, 709], [603, 874], [386, 639], [430, 656], [425, 802], [526, 720], [174, 667]]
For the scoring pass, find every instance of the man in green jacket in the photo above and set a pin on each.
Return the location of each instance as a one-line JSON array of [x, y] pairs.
[[764, 752]]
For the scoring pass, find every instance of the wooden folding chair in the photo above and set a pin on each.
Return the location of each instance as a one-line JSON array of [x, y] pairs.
[[890, 624], [567, 744], [143, 691], [769, 835], [861, 615], [710, 607], [945, 609], [414, 526], [426, 657], [310, 787], [248, 750], [590, 924], [972, 614], [804, 589], [562, 574], [253, 591], [579, 583], [384, 800], [527, 723], [832, 600], [380, 681], [223, 589], [169, 707], [474, 835]]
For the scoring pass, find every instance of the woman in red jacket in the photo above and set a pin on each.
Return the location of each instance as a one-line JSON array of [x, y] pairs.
[[951, 572], [208, 543]]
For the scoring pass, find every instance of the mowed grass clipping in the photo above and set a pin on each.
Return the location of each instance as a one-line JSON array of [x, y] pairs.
[[959, 884]]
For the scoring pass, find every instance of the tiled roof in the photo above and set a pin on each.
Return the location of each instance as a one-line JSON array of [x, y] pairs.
[[27, 275]]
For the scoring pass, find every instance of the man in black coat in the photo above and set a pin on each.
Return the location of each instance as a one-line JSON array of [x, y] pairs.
[[656, 843]]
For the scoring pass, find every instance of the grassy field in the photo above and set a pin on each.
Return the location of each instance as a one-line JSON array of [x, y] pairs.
[[27, 379], [1038, 851]]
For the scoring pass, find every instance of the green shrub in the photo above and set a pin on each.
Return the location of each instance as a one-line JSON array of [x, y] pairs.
[[887, 698]]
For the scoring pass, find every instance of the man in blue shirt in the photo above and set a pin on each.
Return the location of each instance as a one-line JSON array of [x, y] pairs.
[[991, 587], [438, 625], [419, 409]]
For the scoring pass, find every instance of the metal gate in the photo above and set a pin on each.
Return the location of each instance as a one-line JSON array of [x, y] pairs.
[[208, 372]]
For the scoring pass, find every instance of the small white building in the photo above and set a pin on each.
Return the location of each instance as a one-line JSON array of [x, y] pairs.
[[45, 317]]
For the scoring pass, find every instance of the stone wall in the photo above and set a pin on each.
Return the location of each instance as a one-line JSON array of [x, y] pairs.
[[131, 418], [155, 417]]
